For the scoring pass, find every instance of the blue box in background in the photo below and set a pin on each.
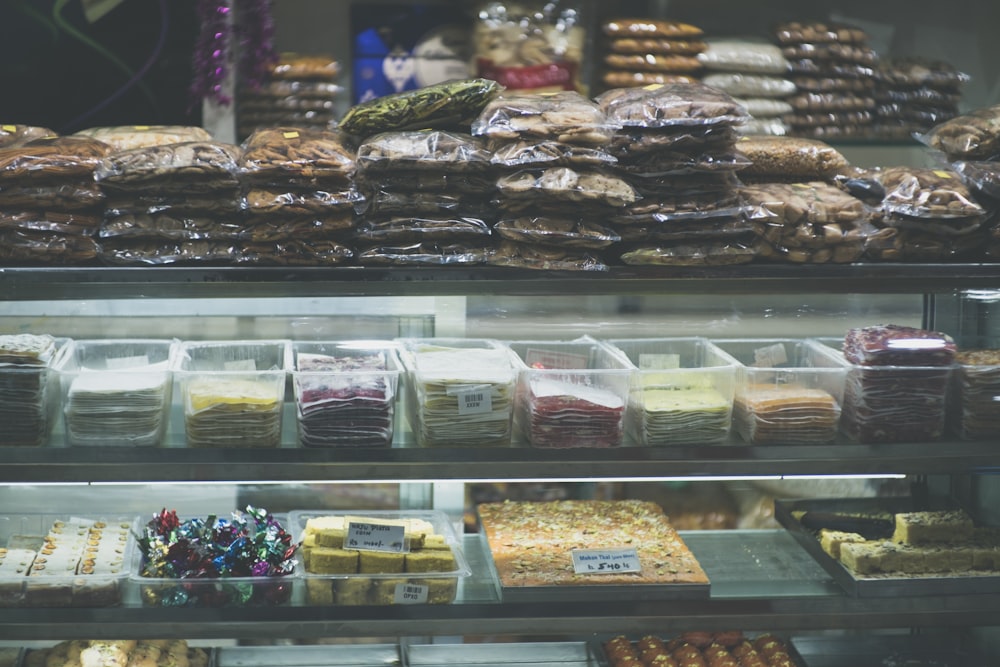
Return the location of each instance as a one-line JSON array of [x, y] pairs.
[[404, 47]]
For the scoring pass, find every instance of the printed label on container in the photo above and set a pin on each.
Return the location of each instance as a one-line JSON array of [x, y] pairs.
[[375, 536], [659, 362], [118, 363], [410, 594], [605, 561], [543, 359], [561, 75], [772, 355], [472, 399], [240, 365]]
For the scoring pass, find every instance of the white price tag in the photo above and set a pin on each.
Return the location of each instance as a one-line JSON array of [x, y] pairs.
[[240, 365], [118, 363], [410, 594], [659, 362], [373, 536], [770, 356], [605, 561], [472, 399]]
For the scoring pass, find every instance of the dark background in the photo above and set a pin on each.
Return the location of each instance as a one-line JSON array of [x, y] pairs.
[[50, 78]]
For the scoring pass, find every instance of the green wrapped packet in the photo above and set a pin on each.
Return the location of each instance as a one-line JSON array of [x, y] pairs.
[[441, 106]]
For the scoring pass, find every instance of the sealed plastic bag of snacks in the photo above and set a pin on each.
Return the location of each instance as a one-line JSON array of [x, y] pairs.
[[413, 229], [565, 116], [983, 176], [566, 185], [288, 203], [423, 149], [169, 226], [671, 105], [18, 135], [632, 142], [561, 232], [289, 156], [51, 159], [30, 247], [631, 79], [530, 45], [201, 166], [441, 106], [645, 27], [788, 204], [545, 153], [650, 62], [971, 136], [743, 55], [750, 85], [127, 137], [676, 163], [428, 181], [426, 254], [789, 156], [294, 252], [691, 230], [270, 228], [297, 67], [919, 73], [766, 107], [927, 193], [544, 258], [64, 197], [383, 203], [57, 222], [717, 253]]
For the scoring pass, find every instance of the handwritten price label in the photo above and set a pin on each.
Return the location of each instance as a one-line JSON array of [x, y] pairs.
[[605, 561], [370, 536]]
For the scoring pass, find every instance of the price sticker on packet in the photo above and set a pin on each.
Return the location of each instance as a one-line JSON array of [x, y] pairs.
[[605, 561], [410, 594]]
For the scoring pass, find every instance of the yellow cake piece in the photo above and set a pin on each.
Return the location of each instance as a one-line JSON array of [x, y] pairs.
[[380, 562], [351, 591], [831, 540], [436, 542], [319, 591], [383, 591], [430, 560], [441, 590], [862, 557], [932, 527], [323, 560]]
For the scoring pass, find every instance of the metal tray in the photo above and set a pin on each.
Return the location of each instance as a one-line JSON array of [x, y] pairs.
[[346, 655], [605, 660], [594, 592], [884, 585], [554, 654], [884, 651]]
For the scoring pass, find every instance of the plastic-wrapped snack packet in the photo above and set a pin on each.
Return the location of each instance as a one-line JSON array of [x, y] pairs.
[[544, 153], [544, 258], [690, 230], [971, 136], [42, 248], [766, 107], [51, 159], [656, 46], [80, 196], [565, 116], [399, 230], [565, 184], [441, 106], [170, 226], [743, 55], [428, 182], [196, 165], [309, 229], [57, 222], [288, 203], [788, 156], [914, 73], [631, 79], [301, 67], [633, 142], [669, 105], [154, 203], [384, 203], [716, 253], [814, 202], [434, 150], [561, 232], [679, 163], [295, 252], [127, 137], [651, 62], [983, 176], [927, 193], [750, 85], [425, 254], [291, 156], [12, 134], [816, 32]]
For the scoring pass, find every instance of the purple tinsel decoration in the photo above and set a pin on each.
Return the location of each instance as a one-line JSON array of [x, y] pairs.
[[247, 23]]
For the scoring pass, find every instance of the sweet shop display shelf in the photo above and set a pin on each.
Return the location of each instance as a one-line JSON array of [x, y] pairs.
[[760, 580], [239, 282], [127, 464]]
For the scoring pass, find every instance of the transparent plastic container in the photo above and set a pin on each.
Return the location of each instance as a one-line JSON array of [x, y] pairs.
[[891, 403], [571, 393], [788, 392], [975, 396], [29, 396], [682, 393], [426, 568], [116, 392], [61, 560], [345, 392], [232, 392], [460, 391], [258, 591]]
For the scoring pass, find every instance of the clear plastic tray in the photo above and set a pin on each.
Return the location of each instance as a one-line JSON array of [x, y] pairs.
[[388, 579], [975, 401], [891, 403], [261, 591], [345, 392], [76, 573], [682, 393], [116, 392], [29, 400], [232, 392], [460, 391], [571, 393], [787, 391]]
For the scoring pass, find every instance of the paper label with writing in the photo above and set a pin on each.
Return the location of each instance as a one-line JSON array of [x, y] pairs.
[[240, 365], [118, 363], [659, 362], [605, 561], [410, 594], [375, 536]]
